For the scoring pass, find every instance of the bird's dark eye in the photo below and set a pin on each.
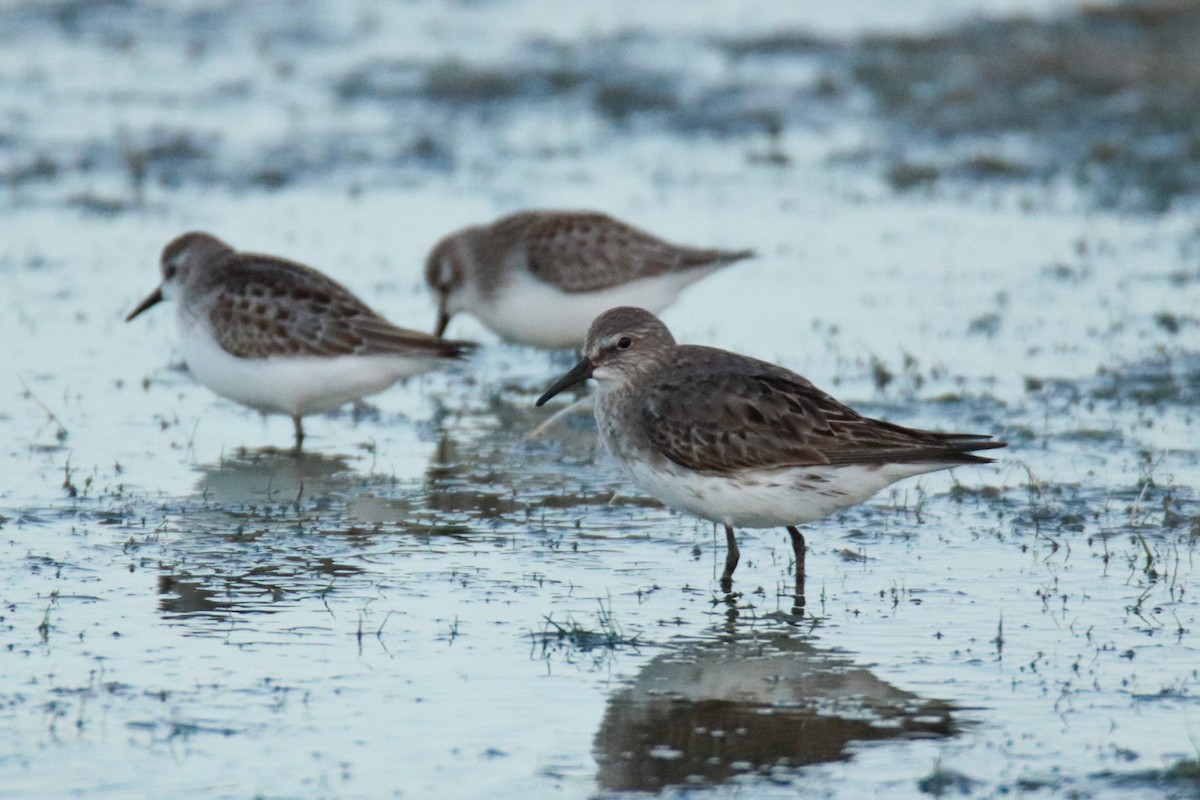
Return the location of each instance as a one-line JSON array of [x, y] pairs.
[[170, 273], [624, 342]]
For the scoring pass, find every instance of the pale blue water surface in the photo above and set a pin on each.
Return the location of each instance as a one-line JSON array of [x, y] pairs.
[[429, 604]]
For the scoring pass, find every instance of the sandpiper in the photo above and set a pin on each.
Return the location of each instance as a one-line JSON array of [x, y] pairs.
[[739, 441], [281, 337], [538, 277]]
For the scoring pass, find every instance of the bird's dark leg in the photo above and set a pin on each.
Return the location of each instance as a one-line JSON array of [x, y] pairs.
[[799, 549], [731, 559], [299, 432]]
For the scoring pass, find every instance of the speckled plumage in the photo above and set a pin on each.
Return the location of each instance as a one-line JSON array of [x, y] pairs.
[[282, 337], [719, 412], [539, 277], [260, 306], [740, 441]]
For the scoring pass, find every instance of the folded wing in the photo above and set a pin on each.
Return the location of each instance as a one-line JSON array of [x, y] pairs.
[[729, 412], [583, 252], [259, 313]]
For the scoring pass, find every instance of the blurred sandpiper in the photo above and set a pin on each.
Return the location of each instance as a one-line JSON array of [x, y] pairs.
[[539, 277], [281, 337], [739, 441]]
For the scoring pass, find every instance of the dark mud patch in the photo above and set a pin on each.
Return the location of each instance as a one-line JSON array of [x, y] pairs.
[[1181, 779], [1165, 379], [617, 79], [1161, 379], [1108, 99]]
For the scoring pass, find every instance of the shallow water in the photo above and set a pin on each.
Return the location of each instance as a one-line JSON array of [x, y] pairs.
[[428, 602]]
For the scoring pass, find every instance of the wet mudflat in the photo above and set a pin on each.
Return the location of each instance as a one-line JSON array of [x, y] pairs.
[[430, 603]]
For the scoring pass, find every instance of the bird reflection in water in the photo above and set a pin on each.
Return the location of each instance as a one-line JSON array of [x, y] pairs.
[[235, 553], [768, 706], [273, 476], [281, 478]]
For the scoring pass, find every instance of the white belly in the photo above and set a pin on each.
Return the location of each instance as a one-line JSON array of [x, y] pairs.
[[295, 386], [743, 498], [528, 311], [767, 498]]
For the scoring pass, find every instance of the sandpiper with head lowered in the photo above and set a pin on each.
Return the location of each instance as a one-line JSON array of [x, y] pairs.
[[739, 441], [281, 337], [539, 277]]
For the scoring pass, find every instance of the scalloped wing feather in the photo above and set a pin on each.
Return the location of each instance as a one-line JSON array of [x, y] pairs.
[[587, 252], [726, 412], [270, 307]]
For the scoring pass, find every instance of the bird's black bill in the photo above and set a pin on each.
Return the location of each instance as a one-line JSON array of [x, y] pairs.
[[154, 299], [442, 321], [580, 372]]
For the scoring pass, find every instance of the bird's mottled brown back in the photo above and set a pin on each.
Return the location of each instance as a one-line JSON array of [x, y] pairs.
[[588, 251], [266, 306], [716, 411]]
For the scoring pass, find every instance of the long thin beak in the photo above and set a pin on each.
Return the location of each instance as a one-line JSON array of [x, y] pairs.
[[442, 321], [155, 298], [580, 372]]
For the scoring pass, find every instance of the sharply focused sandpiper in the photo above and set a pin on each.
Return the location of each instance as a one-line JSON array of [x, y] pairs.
[[280, 337], [739, 441], [539, 277]]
